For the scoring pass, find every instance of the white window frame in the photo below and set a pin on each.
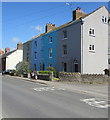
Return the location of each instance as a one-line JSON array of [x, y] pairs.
[[109, 61], [104, 19], [65, 52], [50, 52], [92, 47], [92, 30], [35, 55], [64, 34]]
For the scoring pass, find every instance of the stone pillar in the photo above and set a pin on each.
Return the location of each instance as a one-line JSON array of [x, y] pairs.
[[51, 76], [29, 76]]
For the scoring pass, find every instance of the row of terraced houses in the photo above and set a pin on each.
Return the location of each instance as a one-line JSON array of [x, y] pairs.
[[80, 45]]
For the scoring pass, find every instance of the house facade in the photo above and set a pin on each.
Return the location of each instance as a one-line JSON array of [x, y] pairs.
[[80, 45], [95, 42], [27, 52], [49, 49], [36, 53], [69, 47], [12, 58], [83, 44]]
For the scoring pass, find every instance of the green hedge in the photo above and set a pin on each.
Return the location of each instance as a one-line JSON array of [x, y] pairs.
[[44, 72]]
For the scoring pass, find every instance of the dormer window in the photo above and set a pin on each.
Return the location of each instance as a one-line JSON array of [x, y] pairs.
[[92, 32], [104, 19]]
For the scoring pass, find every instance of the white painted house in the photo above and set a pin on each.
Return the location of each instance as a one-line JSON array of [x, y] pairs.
[[95, 42], [86, 43], [11, 59]]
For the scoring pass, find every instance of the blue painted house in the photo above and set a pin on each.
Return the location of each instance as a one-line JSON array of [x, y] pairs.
[[43, 50], [36, 52], [49, 41]]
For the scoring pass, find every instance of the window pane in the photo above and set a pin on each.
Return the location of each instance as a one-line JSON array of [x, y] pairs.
[[50, 52], [65, 34]]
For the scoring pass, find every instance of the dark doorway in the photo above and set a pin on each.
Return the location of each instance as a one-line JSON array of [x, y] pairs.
[[76, 67], [43, 67], [65, 67], [35, 67]]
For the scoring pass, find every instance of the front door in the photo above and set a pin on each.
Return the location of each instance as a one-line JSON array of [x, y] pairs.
[[76, 67]]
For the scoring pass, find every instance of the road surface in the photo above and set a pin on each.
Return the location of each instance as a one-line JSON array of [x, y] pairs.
[[23, 99]]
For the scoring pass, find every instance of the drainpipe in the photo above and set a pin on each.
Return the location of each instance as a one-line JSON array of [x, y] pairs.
[[82, 22]]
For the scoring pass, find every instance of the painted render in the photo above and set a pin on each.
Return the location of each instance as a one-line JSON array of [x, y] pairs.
[[95, 61], [73, 42], [36, 49], [13, 59], [46, 46], [27, 52]]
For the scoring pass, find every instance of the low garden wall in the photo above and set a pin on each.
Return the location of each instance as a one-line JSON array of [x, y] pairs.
[[48, 77], [84, 78], [43, 77]]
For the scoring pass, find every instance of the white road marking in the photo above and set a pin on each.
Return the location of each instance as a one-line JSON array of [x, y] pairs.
[[96, 102], [47, 89]]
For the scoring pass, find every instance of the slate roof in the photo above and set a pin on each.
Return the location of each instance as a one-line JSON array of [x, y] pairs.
[[68, 23], [9, 53]]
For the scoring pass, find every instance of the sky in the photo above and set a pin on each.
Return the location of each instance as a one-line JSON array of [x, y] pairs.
[[23, 20]]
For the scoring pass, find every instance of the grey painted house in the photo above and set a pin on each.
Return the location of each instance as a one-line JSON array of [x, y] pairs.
[[83, 43], [27, 55]]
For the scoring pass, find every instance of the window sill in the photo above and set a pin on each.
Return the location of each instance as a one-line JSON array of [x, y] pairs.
[[64, 38], [91, 51], [92, 35]]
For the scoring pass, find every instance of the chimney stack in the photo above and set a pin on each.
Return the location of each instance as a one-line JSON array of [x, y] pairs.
[[78, 13], [19, 46], [49, 27], [1, 52], [7, 50]]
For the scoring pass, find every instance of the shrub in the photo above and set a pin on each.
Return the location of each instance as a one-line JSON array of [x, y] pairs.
[[52, 69], [44, 72], [22, 68]]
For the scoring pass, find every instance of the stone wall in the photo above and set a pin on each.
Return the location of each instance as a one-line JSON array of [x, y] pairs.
[[83, 78], [48, 77]]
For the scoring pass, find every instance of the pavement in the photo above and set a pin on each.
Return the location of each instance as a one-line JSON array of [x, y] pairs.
[[36, 99], [100, 90]]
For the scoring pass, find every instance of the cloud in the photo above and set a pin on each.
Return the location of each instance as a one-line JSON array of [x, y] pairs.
[[15, 39], [38, 28]]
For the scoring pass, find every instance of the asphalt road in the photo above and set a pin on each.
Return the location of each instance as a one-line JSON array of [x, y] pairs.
[[23, 99]]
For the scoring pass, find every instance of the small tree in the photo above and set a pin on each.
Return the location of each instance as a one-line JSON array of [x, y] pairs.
[[22, 67], [52, 69]]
